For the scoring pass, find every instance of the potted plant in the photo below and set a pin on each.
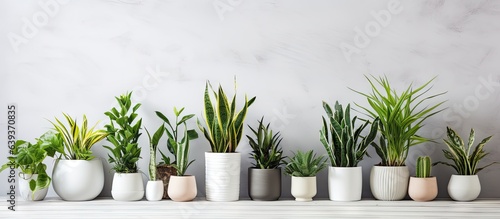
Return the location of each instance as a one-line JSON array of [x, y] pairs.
[[346, 147], [264, 177], [401, 117], [181, 187], [154, 187], [423, 187], [303, 167], [124, 132], [77, 174], [33, 179], [224, 129], [465, 185]]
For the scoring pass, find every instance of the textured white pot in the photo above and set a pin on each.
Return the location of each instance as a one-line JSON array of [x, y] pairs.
[[222, 176], [464, 187], [389, 183], [154, 190], [345, 183], [127, 187], [78, 180], [304, 188], [25, 191]]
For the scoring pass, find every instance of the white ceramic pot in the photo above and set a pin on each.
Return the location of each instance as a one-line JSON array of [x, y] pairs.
[[464, 187], [78, 180], [345, 183], [154, 190], [182, 188], [303, 188], [222, 176], [25, 191], [127, 187], [389, 183]]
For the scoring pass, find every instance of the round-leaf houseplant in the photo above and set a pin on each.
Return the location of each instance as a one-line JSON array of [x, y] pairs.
[[401, 116], [303, 167], [465, 186], [224, 129], [264, 177], [423, 187], [123, 133], [77, 174], [345, 147]]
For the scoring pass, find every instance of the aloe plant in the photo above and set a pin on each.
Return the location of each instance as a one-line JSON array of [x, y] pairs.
[[265, 147], [423, 167], [304, 164], [464, 162], [341, 139], [77, 140], [401, 117], [123, 133], [153, 147], [224, 124]]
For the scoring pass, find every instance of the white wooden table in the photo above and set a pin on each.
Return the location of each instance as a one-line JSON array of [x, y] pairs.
[[107, 208]]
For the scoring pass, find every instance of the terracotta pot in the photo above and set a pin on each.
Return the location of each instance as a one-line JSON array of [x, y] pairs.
[[164, 172], [182, 188], [423, 189]]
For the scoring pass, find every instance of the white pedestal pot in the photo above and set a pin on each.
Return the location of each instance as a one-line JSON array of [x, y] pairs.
[[222, 176], [78, 180], [127, 187], [464, 187], [25, 191], [389, 183], [304, 188], [345, 183]]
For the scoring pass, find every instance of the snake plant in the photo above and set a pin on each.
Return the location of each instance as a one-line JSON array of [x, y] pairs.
[[153, 146], [304, 164], [423, 167], [265, 147]]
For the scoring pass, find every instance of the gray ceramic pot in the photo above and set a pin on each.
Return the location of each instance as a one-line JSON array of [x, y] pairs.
[[264, 184]]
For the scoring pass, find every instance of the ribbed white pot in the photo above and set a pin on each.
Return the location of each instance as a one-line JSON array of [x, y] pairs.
[[464, 187], [127, 187], [154, 190], [222, 176], [345, 183], [25, 191], [304, 188], [389, 183], [78, 180]]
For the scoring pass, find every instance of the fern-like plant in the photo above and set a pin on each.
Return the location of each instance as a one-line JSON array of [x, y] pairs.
[[304, 164], [423, 169], [343, 142], [265, 147], [464, 162]]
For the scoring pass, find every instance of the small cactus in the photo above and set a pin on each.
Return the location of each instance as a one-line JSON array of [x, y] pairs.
[[423, 167]]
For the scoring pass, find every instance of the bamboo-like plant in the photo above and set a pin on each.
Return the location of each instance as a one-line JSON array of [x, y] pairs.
[[153, 146], [304, 164], [464, 162], [401, 117], [77, 140], [423, 167], [340, 139], [265, 147], [224, 125]]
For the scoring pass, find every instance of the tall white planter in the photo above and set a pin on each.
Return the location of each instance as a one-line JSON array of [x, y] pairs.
[[464, 187], [78, 180], [154, 190], [222, 176], [304, 188], [345, 183], [25, 191], [127, 187], [389, 183]]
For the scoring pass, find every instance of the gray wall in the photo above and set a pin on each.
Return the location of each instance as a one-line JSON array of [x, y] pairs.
[[76, 56]]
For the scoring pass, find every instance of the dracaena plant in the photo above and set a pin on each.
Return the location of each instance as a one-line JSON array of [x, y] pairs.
[[401, 116], [224, 124], [304, 164], [464, 162], [77, 139], [265, 147], [178, 145], [29, 158], [153, 146], [343, 142], [123, 133]]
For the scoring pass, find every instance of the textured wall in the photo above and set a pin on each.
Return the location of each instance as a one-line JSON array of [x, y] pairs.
[[74, 57]]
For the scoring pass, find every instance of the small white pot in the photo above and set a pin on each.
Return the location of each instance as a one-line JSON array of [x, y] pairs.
[[304, 188], [389, 183], [464, 187], [127, 187], [154, 190], [222, 176], [345, 183], [24, 188], [78, 180]]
